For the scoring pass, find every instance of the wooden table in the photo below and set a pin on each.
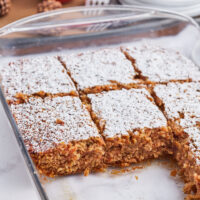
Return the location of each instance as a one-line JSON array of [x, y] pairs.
[[24, 8]]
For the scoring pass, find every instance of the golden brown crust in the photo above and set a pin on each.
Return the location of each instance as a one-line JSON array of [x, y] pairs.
[[76, 157], [138, 146]]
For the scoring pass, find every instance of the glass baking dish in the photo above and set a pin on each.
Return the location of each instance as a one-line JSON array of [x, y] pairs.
[[80, 28]]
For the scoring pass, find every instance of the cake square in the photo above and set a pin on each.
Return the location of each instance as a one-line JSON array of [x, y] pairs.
[[40, 76], [95, 71], [131, 124], [59, 135], [158, 65], [181, 104]]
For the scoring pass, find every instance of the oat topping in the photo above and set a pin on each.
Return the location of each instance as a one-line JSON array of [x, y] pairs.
[[126, 110], [162, 65], [30, 76], [98, 68], [37, 121]]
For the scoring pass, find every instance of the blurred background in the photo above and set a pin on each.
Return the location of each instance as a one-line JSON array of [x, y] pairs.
[[12, 10]]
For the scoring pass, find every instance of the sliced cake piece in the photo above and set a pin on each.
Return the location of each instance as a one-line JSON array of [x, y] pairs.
[[158, 65], [133, 127], [95, 71], [35, 76], [181, 105], [59, 135]]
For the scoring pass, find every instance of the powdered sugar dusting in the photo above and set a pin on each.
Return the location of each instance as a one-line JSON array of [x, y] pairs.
[[98, 68], [126, 110], [162, 65], [183, 99], [29, 76], [37, 121]]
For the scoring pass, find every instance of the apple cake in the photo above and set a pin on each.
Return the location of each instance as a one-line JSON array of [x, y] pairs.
[[158, 65], [100, 70], [37, 76], [59, 135], [131, 124], [86, 111]]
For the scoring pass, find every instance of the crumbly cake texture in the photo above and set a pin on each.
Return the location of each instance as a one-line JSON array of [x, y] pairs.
[[35, 76], [181, 104], [133, 127], [95, 71], [59, 134], [158, 65], [50, 98]]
